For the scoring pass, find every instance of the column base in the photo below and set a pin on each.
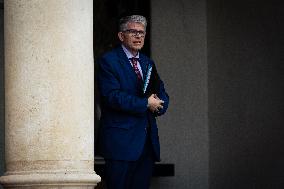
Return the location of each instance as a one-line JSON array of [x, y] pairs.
[[50, 180]]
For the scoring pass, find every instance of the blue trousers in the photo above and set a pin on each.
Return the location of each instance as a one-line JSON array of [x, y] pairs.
[[131, 174]]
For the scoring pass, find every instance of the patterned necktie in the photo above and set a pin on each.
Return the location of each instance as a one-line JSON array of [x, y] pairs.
[[135, 67]]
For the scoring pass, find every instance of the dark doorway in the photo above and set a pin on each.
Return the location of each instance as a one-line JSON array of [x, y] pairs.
[[106, 16]]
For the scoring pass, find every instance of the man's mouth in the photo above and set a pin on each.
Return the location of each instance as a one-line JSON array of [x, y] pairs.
[[137, 42]]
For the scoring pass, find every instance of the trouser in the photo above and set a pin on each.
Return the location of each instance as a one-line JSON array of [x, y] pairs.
[[131, 174]]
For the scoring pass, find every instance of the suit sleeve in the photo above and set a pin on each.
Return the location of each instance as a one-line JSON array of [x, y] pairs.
[[111, 94], [156, 86], [162, 94]]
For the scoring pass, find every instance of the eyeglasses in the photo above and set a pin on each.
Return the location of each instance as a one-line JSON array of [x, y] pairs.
[[135, 33]]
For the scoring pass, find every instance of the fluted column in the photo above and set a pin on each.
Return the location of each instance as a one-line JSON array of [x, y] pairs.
[[49, 94]]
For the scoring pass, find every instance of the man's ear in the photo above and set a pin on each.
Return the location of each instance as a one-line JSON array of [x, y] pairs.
[[120, 36]]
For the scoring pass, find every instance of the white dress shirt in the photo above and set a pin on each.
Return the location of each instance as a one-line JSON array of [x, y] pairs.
[[129, 55]]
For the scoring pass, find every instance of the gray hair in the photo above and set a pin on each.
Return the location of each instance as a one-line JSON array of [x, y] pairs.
[[133, 18]]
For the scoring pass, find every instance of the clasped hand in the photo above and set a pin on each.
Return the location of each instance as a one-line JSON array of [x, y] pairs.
[[154, 103]]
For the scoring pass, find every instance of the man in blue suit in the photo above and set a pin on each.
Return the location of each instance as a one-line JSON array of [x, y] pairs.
[[132, 95]]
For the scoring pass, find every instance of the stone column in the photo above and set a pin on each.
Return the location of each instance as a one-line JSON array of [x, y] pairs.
[[49, 94]]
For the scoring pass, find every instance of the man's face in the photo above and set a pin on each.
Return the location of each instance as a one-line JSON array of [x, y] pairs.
[[133, 37]]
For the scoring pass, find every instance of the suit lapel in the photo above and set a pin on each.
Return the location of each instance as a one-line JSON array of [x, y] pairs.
[[143, 63], [126, 64]]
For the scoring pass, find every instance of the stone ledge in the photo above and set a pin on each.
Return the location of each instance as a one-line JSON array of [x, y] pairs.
[[62, 179]]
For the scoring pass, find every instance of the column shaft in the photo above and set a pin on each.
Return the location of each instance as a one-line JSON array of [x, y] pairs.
[[49, 94]]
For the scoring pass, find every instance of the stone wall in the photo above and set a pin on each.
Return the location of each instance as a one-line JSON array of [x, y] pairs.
[[178, 45]]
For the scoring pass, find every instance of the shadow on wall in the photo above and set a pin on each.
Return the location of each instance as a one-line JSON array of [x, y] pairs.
[[246, 94]]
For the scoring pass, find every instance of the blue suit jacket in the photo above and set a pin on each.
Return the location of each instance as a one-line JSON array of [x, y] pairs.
[[124, 113]]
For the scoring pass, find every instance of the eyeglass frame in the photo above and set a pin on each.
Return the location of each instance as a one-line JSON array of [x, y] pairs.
[[135, 33]]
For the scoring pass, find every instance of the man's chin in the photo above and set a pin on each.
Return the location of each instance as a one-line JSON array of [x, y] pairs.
[[137, 48]]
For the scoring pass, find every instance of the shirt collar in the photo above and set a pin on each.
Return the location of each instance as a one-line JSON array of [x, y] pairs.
[[128, 54]]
